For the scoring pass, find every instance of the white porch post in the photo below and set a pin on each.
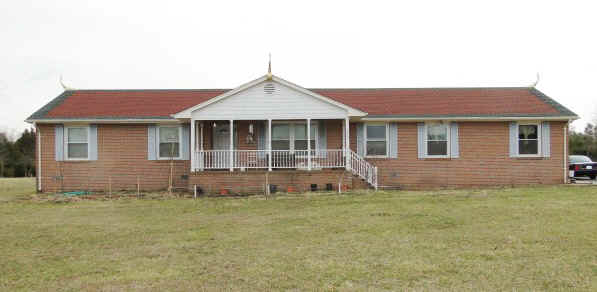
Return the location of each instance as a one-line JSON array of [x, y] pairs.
[[231, 145], [347, 142], [192, 146], [202, 154], [309, 144], [269, 144]]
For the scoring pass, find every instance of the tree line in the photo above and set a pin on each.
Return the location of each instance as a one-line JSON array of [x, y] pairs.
[[17, 159]]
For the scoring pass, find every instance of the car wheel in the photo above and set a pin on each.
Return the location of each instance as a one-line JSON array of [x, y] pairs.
[[591, 176]]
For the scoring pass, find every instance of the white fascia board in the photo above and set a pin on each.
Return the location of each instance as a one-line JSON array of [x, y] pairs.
[[105, 121], [186, 114], [481, 119]]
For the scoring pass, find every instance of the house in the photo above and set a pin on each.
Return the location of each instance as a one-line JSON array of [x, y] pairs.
[[272, 132]]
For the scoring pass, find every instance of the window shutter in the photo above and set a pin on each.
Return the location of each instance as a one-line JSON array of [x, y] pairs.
[[186, 142], [261, 139], [360, 139], [59, 142], [454, 145], [545, 139], [513, 139], [421, 140], [151, 142], [92, 142], [393, 138], [322, 139]]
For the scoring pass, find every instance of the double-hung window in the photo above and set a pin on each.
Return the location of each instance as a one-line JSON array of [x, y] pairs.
[[437, 139], [292, 136], [376, 139], [169, 141], [529, 139], [77, 143]]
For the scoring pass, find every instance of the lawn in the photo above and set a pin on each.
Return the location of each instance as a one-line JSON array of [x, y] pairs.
[[542, 238]]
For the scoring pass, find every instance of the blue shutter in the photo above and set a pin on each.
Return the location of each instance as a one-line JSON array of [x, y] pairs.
[[322, 139], [59, 142], [186, 142], [421, 140], [545, 139], [92, 142], [151, 142], [393, 138], [360, 139], [261, 139], [513, 139], [454, 145]]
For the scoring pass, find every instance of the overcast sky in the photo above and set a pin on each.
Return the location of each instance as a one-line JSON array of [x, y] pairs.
[[220, 44]]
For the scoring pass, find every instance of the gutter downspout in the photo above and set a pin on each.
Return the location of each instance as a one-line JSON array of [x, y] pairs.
[[566, 152], [38, 172]]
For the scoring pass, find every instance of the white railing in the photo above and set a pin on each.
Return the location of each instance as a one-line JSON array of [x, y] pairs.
[[362, 168], [285, 159]]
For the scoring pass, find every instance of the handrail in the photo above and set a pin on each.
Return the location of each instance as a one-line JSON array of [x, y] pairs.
[[362, 168]]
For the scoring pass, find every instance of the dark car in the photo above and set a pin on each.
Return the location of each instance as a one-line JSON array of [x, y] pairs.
[[581, 165]]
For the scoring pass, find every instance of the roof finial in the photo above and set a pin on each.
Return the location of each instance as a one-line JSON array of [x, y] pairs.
[[269, 67], [66, 88], [536, 81]]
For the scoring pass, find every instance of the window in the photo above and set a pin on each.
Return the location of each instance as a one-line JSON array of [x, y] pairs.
[[169, 143], [292, 136], [376, 140], [77, 143], [528, 139], [437, 139], [300, 137]]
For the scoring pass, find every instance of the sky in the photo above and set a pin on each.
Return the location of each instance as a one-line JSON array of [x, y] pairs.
[[223, 44]]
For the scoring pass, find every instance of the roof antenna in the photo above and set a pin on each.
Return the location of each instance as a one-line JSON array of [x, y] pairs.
[[66, 88], [269, 68], [536, 81]]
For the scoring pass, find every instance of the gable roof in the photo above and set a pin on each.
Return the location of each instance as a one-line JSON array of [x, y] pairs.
[[161, 104], [187, 112]]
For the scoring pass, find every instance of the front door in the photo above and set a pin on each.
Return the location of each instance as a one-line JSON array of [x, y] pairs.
[[221, 138]]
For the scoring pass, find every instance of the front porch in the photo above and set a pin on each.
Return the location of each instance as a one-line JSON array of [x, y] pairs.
[[274, 145]]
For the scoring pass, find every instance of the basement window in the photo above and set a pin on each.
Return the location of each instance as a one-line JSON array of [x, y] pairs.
[[77, 143], [169, 143]]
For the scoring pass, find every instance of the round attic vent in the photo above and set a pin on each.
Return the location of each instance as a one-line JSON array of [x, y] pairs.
[[269, 88]]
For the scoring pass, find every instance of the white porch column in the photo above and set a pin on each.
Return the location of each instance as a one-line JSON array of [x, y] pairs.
[[309, 144], [202, 155], [269, 145], [347, 142], [231, 145], [192, 146]]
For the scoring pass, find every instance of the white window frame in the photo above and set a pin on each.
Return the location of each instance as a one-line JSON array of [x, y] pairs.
[[448, 138], [179, 142], [291, 136], [66, 129], [539, 132], [387, 139]]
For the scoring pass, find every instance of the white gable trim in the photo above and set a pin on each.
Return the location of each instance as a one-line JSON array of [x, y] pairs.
[[186, 114]]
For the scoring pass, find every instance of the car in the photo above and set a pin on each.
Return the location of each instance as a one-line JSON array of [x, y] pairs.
[[582, 166]]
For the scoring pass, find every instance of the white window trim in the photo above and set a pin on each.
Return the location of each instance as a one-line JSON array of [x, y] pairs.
[[448, 150], [179, 143], [291, 133], [539, 132], [387, 139], [66, 129]]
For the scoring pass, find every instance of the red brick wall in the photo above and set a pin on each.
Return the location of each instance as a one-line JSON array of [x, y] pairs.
[[484, 160], [122, 156]]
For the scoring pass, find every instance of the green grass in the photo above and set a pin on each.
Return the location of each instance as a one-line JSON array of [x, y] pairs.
[[542, 238]]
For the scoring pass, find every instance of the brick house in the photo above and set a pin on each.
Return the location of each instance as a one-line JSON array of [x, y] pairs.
[[273, 132]]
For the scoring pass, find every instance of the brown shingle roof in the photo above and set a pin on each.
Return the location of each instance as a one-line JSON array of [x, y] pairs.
[[507, 101]]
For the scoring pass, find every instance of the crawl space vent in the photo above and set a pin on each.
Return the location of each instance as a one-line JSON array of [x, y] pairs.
[[269, 88]]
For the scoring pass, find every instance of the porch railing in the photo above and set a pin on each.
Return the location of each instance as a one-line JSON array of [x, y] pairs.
[[285, 159]]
